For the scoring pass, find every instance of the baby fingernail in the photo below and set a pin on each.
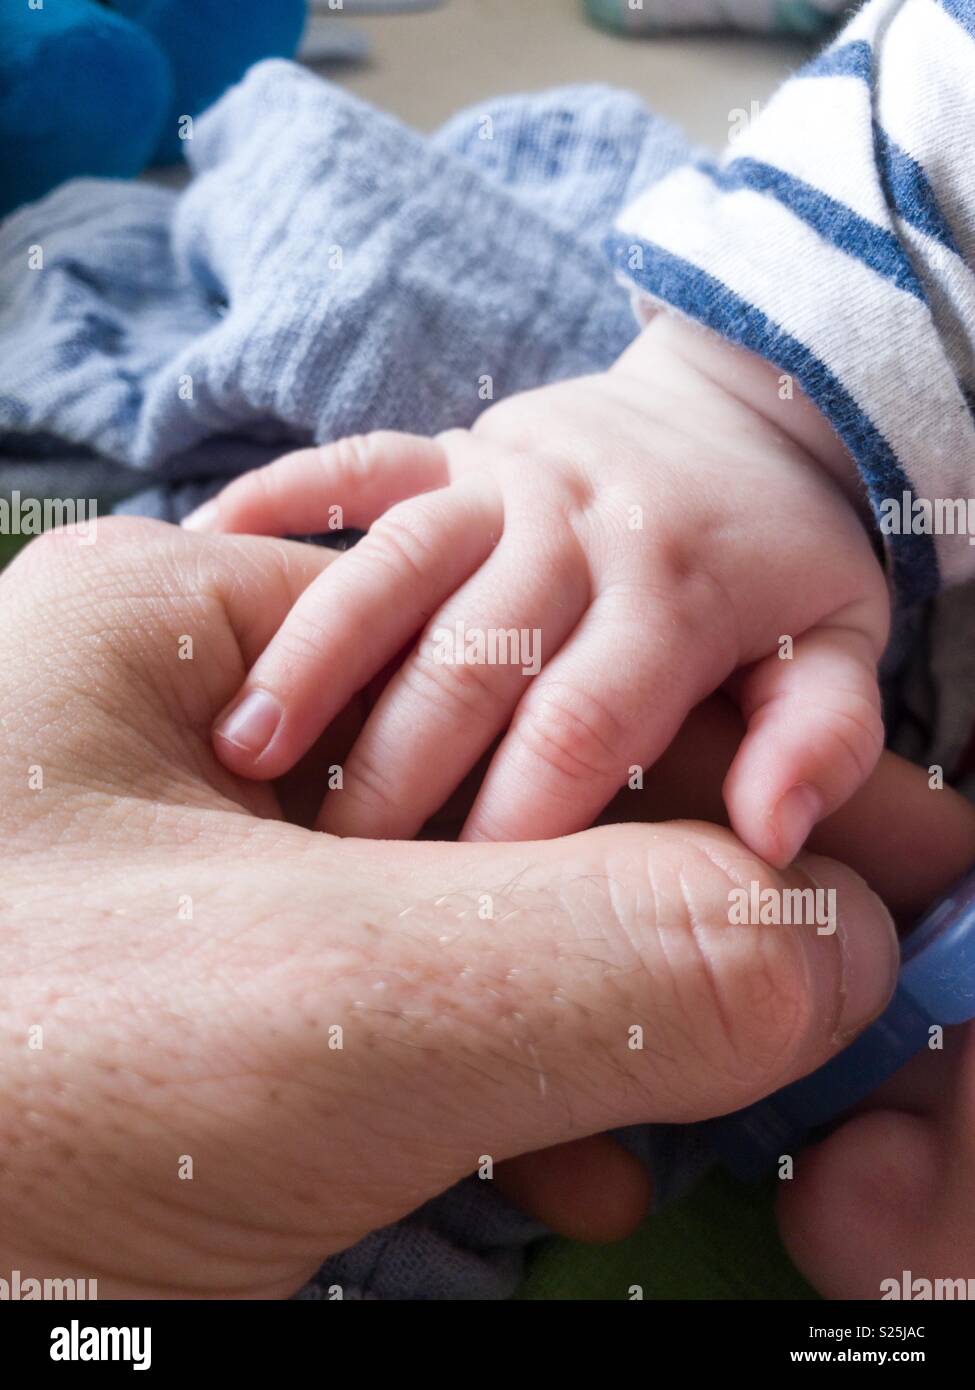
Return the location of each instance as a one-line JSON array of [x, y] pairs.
[[250, 725], [795, 816], [202, 519]]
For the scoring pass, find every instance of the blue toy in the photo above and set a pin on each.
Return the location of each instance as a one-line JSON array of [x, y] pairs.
[[210, 44], [99, 89], [936, 986]]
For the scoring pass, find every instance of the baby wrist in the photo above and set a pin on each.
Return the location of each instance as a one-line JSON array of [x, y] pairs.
[[756, 383]]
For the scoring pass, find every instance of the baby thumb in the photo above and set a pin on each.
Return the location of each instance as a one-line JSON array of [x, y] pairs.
[[814, 735]]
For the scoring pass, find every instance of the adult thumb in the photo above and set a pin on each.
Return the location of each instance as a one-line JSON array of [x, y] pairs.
[[627, 974]]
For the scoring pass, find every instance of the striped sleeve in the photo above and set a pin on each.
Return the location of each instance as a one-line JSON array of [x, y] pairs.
[[836, 238]]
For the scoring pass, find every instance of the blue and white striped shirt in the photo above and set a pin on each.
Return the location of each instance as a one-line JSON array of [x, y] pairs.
[[836, 238]]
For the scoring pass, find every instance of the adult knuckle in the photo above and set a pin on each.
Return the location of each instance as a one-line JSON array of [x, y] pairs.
[[736, 996]]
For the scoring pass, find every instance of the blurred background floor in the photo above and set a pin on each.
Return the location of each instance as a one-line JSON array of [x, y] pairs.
[[424, 66]]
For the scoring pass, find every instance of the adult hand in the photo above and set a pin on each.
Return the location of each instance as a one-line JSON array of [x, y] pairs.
[[188, 957]]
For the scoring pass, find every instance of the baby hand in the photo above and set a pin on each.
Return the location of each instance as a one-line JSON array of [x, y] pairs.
[[583, 567]]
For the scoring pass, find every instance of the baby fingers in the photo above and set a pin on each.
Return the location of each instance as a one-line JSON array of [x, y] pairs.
[[327, 488], [814, 734], [352, 621]]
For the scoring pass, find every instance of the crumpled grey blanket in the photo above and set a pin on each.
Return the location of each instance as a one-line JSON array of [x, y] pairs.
[[327, 271]]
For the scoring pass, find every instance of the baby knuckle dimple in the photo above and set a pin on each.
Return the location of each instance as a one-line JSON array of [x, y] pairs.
[[675, 560], [300, 643], [253, 492], [858, 728], [571, 732], [355, 459], [843, 732], [404, 542], [367, 782], [505, 420], [467, 687]]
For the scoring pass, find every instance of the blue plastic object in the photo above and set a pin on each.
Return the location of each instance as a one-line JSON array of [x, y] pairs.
[[936, 985], [88, 88], [210, 44], [82, 91]]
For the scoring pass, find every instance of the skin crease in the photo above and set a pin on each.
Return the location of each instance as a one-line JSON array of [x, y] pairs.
[[658, 527], [208, 1037]]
